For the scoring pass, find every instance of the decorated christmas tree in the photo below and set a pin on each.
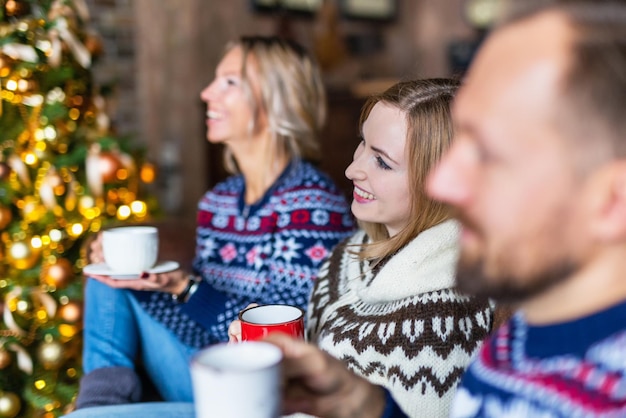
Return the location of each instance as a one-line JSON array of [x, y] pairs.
[[63, 176]]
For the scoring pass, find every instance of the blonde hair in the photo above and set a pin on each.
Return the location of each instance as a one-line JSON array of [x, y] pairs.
[[426, 104], [292, 95]]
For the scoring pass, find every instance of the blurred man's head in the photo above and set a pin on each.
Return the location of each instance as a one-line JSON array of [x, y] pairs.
[[537, 171]]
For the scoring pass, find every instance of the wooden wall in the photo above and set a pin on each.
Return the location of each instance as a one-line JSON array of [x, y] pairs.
[[179, 42]]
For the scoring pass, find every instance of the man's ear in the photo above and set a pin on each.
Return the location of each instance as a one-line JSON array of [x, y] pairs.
[[609, 208]]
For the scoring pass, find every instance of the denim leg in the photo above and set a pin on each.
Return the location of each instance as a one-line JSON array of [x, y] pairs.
[[143, 410], [117, 329], [165, 358], [110, 336]]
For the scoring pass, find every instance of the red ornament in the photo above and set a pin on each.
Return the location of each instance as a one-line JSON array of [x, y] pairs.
[[109, 164]]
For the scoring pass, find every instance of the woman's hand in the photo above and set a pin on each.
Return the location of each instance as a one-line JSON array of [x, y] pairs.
[[95, 255], [234, 329], [171, 282]]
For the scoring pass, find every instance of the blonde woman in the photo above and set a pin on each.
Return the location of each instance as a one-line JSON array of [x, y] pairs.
[[262, 234]]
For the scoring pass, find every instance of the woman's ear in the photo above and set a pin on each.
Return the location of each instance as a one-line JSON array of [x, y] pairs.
[[609, 216]]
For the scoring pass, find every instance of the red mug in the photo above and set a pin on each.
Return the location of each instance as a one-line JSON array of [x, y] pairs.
[[259, 321]]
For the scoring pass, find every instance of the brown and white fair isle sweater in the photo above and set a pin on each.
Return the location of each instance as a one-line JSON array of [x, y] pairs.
[[402, 326]]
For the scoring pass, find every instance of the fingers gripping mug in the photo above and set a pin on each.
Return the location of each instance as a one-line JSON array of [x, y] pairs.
[[259, 321]]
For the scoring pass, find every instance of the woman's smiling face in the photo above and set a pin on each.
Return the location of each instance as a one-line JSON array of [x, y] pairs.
[[229, 113], [379, 170]]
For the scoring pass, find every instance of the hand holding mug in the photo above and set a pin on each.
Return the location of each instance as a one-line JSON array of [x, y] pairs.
[[258, 321], [234, 329]]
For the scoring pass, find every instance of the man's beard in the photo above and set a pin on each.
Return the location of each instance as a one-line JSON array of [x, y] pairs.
[[507, 288]]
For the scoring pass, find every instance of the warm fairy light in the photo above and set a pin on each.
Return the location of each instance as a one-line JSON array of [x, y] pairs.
[[42, 315], [74, 113], [11, 85], [67, 330], [77, 229], [147, 173], [86, 202], [91, 213], [121, 174], [19, 250], [123, 212], [30, 158], [55, 235], [40, 146], [21, 306], [22, 85], [39, 135], [40, 384], [95, 225], [36, 242], [50, 132], [45, 240], [139, 208]]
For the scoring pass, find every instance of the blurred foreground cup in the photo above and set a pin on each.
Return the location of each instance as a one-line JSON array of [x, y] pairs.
[[237, 380]]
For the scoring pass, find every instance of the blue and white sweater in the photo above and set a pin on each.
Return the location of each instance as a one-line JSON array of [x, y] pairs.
[[268, 252]]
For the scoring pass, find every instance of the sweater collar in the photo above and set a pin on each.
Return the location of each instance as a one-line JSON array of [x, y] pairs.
[[426, 264]]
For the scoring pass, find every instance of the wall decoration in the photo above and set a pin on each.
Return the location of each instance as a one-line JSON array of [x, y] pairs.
[[307, 7], [378, 10]]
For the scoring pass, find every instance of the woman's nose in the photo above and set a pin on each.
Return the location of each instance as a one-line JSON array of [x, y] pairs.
[[354, 170], [207, 93]]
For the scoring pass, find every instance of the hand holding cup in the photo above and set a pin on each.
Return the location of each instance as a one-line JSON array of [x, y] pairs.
[[258, 321]]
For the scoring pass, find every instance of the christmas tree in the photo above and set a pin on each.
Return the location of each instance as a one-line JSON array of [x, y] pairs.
[[63, 175]]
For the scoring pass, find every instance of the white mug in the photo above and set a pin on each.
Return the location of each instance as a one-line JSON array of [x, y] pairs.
[[237, 380], [130, 249]]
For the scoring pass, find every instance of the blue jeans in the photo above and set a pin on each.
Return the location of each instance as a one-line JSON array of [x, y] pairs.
[[117, 330], [143, 410]]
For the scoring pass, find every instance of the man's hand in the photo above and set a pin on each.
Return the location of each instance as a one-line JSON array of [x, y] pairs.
[[319, 384]]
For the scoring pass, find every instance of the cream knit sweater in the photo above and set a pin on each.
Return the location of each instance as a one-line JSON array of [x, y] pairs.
[[402, 326]]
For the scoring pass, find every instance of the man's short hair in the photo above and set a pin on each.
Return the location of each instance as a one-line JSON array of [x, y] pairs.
[[594, 85]]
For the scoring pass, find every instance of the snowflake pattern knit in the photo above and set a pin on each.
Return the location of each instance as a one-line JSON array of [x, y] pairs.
[[570, 370], [268, 252], [403, 326]]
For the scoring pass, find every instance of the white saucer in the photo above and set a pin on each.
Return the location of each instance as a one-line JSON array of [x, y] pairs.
[[102, 269]]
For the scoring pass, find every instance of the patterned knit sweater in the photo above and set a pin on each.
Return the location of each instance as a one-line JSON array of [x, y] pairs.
[[268, 252], [402, 326], [568, 370]]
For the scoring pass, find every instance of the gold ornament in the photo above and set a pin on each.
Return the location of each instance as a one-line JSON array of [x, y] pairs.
[[51, 354], [21, 255], [10, 405], [71, 312], [58, 274], [5, 358], [5, 216]]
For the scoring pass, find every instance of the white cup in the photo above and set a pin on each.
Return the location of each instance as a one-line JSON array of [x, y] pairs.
[[237, 380], [130, 249]]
